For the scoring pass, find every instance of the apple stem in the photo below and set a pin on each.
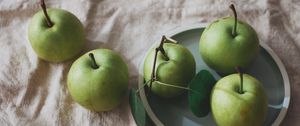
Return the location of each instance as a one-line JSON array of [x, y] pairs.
[[138, 90], [161, 83], [94, 64], [238, 69], [235, 20], [161, 49], [43, 5], [176, 86]]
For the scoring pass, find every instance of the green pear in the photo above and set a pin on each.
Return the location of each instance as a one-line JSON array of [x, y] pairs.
[[98, 80], [56, 35], [177, 67], [227, 43], [239, 102]]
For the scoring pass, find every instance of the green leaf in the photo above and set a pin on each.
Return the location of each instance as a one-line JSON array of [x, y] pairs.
[[137, 108], [199, 95]]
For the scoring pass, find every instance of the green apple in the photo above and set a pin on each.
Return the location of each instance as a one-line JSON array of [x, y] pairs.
[[98, 80], [227, 43], [56, 35], [235, 105], [176, 66]]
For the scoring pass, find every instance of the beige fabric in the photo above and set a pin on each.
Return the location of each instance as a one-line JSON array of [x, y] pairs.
[[34, 92]]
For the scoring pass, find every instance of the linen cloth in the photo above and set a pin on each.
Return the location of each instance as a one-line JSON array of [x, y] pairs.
[[34, 92]]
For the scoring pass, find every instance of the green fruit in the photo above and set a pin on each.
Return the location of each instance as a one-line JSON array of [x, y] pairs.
[[178, 69], [230, 107], [99, 85], [57, 43], [223, 51]]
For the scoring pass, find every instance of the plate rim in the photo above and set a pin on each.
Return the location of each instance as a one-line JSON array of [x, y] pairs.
[[180, 29]]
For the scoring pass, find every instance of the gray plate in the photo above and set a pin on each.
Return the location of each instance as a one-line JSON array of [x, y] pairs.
[[267, 68]]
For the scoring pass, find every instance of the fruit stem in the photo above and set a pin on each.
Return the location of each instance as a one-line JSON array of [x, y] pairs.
[[176, 86], [138, 90], [43, 5], [161, 49], [238, 69], [235, 19], [94, 64]]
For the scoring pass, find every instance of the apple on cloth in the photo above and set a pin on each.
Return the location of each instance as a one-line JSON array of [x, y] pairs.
[[55, 35], [98, 80], [227, 43], [169, 68]]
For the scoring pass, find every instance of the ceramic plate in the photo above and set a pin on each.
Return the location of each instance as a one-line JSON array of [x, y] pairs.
[[175, 112]]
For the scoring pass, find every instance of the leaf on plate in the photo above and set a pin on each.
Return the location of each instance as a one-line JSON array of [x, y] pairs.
[[137, 108], [199, 95]]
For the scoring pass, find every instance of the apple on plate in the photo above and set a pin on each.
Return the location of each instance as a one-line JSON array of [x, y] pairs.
[[227, 43], [169, 68], [98, 80], [239, 100], [55, 35]]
